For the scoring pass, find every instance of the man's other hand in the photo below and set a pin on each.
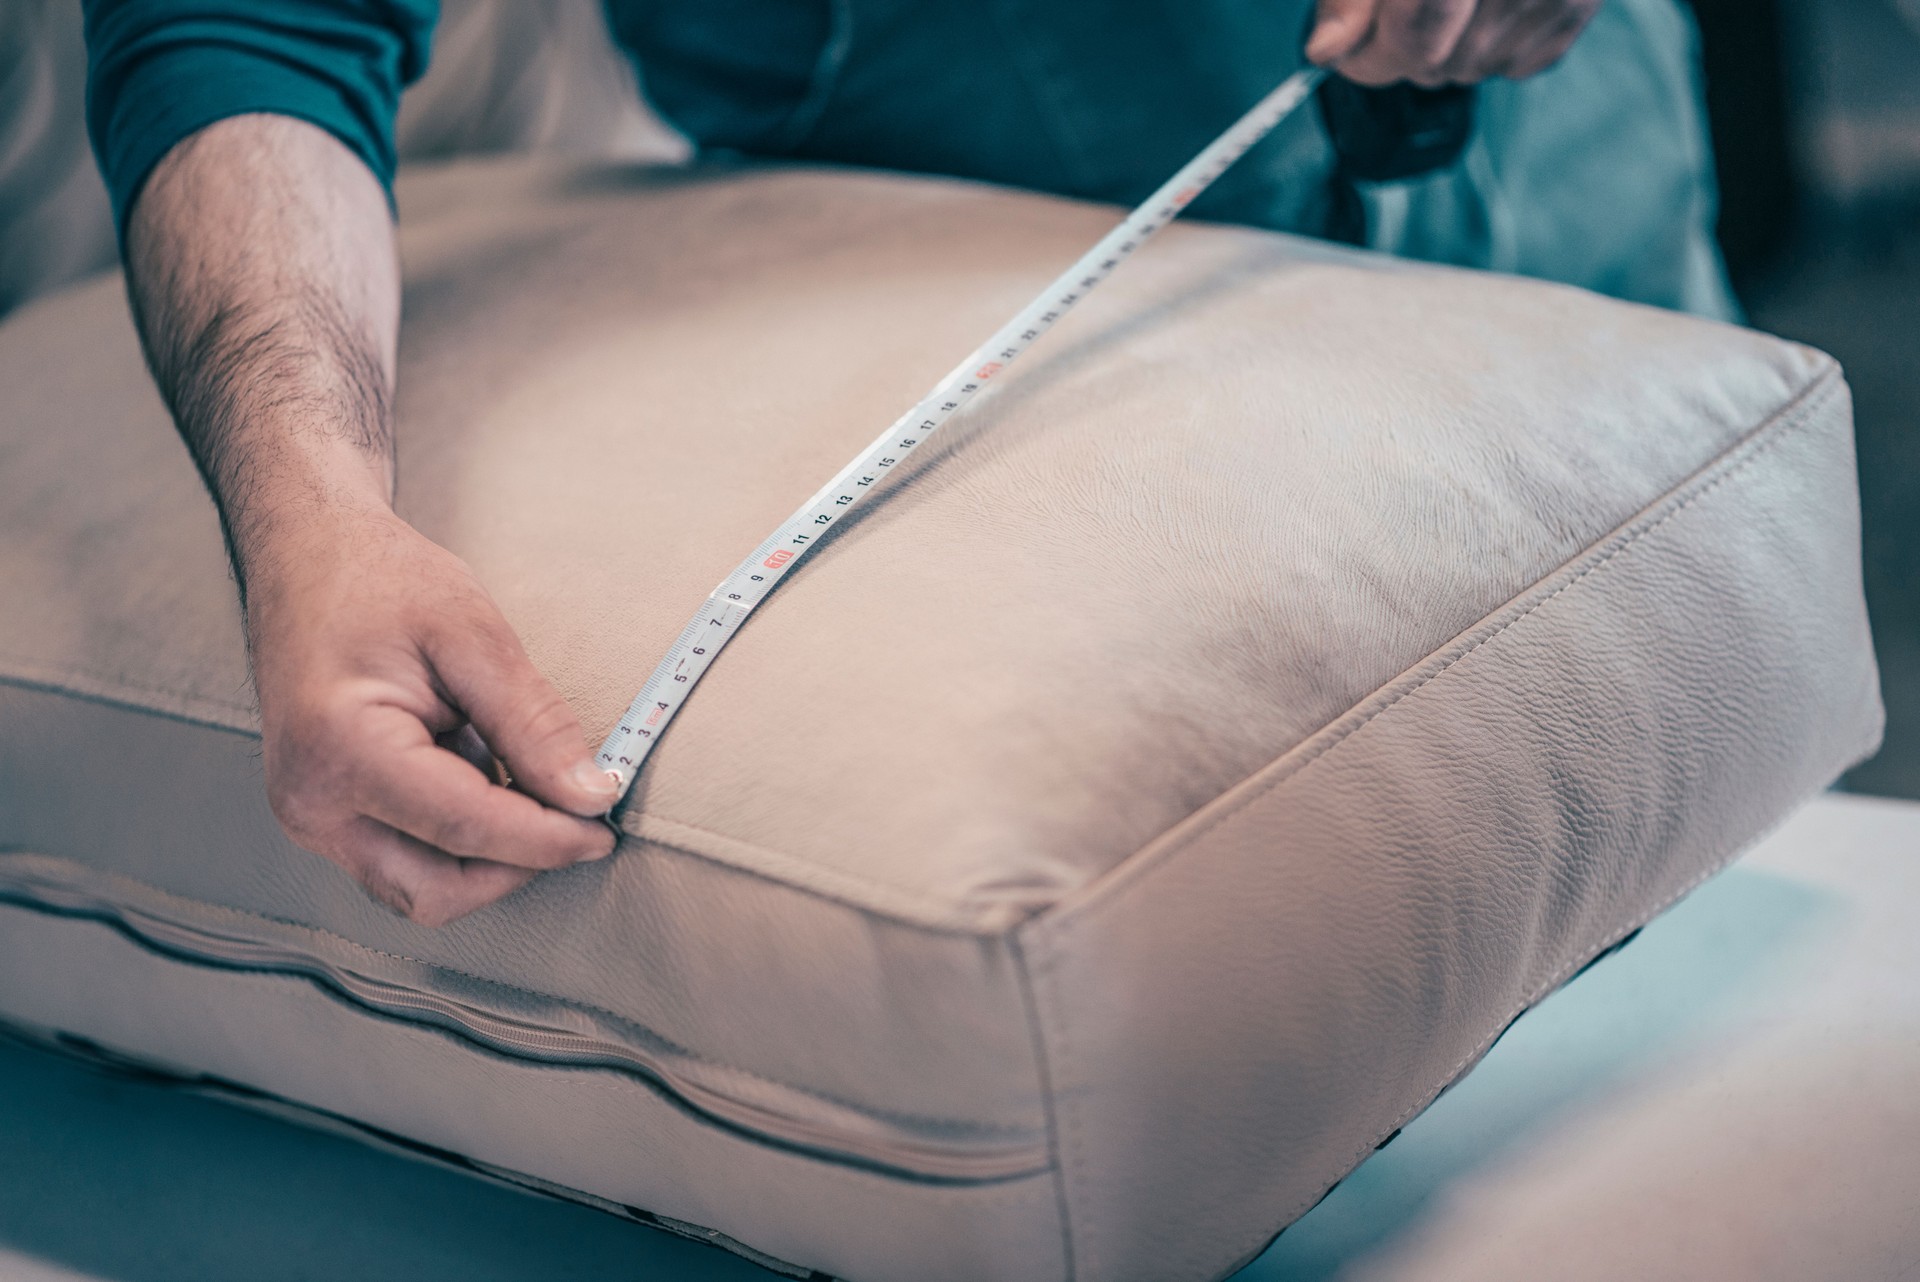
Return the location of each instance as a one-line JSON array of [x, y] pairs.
[[388, 683], [1438, 42]]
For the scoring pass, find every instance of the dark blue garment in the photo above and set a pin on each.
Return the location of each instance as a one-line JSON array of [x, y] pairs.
[[1596, 173]]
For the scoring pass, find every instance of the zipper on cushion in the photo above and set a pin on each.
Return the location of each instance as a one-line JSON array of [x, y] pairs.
[[945, 1159]]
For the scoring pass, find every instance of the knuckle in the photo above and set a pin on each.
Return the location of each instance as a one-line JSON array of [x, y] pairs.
[[307, 790], [550, 851], [547, 718], [1432, 26], [446, 899], [301, 814], [539, 726], [330, 721], [557, 856], [434, 911], [458, 833], [423, 901], [391, 892]]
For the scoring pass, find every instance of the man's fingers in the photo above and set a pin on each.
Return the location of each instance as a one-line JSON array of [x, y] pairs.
[[420, 883], [465, 743], [1517, 38], [1486, 46], [1338, 29], [521, 717], [1410, 40], [1548, 45], [445, 802]]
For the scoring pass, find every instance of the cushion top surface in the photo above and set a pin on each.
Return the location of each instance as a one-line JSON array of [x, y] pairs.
[[1249, 482]]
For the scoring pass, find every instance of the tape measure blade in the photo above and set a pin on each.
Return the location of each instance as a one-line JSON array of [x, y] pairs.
[[626, 748]]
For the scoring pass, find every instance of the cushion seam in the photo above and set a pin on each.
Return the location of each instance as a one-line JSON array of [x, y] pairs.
[[1072, 1145], [80, 684], [1037, 1037], [848, 890], [1725, 466], [575, 1003]]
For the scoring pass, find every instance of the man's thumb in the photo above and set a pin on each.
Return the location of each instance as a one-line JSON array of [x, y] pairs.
[[1339, 28], [523, 720]]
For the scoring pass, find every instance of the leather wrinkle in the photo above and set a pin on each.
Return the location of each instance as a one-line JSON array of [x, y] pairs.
[[832, 885]]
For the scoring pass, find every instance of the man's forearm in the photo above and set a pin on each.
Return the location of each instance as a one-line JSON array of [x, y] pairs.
[[261, 264], [262, 268]]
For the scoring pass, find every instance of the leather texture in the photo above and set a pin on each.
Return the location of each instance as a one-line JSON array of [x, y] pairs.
[[1296, 666]]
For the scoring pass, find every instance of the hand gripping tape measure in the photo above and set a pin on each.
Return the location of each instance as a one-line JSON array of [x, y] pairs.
[[641, 726]]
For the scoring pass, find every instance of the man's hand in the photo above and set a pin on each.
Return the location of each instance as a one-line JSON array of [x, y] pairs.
[[261, 265], [377, 659], [1438, 42]]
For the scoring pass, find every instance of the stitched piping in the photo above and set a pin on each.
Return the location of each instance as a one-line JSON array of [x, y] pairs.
[[882, 900], [795, 872], [1727, 465], [1063, 1122]]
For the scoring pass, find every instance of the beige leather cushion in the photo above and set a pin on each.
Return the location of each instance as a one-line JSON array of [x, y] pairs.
[[1297, 666]]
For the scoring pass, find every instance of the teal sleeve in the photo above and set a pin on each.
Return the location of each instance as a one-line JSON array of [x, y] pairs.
[[157, 70]]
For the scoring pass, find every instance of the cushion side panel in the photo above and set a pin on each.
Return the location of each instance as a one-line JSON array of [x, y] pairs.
[[592, 1130], [733, 968], [1300, 971]]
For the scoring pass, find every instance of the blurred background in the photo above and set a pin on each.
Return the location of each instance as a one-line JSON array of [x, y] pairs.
[[1815, 111]]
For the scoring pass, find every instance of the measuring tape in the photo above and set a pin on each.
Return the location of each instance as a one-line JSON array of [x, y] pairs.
[[641, 726]]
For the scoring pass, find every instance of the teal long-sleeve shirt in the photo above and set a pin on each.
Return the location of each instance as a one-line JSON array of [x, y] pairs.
[[161, 69], [1596, 173]]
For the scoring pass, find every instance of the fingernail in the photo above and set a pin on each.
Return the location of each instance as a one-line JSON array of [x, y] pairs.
[[592, 779]]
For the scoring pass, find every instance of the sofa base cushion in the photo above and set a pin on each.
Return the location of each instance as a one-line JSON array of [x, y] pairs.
[[1289, 673]]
